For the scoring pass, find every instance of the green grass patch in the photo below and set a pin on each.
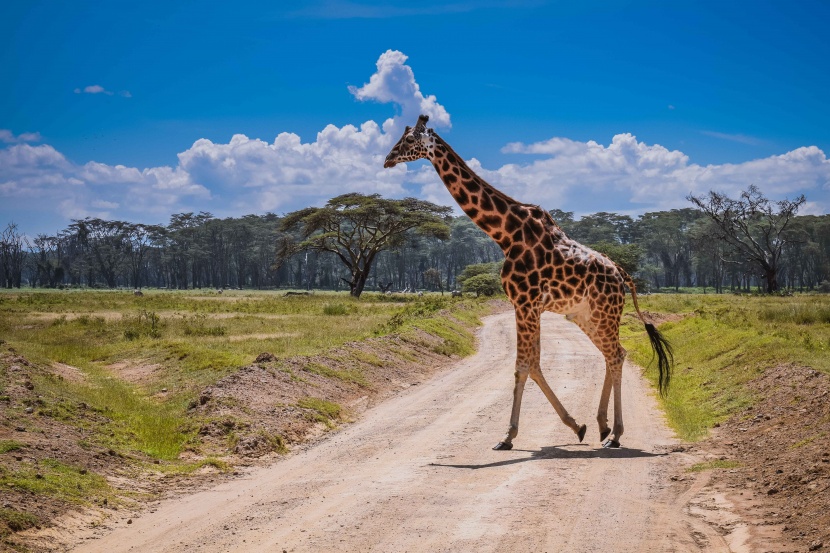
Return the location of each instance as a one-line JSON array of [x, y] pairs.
[[367, 357], [712, 465], [321, 410], [193, 339], [726, 341], [16, 521], [10, 445], [354, 375], [53, 478], [806, 441], [335, 309]]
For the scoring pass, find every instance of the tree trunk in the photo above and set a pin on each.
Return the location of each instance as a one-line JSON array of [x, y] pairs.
[[358, 282], [770, 275]]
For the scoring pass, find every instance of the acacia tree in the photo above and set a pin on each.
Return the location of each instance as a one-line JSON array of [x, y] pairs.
[[356, 227], [753, 225]]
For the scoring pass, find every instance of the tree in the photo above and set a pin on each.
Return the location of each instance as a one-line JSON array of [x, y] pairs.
[[432, 278], [106, 243], [626, 256], [356, 227], [483, 283], [666, 237], [599, 227], [11, 257], [753, 225]]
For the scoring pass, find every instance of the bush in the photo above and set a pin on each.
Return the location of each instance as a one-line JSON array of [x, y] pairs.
[[487, 284], [476, 269]]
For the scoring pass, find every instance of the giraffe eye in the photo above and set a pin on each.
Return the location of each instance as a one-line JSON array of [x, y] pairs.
[[410, 139]]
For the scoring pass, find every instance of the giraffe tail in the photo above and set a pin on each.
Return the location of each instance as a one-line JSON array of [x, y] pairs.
[[659, 344]]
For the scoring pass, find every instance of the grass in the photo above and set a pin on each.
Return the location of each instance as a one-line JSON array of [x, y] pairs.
[[726, 341], [59, 480], [354, 376], [10, 445], [321, 410], [194, 338], [712, 465], [16, 521]]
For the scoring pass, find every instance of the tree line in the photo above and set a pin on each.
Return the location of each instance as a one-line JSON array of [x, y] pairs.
[[357, 241]]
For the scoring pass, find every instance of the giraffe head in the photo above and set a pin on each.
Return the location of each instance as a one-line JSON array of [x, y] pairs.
[[414, 144]]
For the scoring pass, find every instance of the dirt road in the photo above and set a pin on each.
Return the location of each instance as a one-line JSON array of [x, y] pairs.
[[416, 473]]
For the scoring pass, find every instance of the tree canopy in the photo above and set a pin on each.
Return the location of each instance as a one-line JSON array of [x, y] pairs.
[[356, 227]]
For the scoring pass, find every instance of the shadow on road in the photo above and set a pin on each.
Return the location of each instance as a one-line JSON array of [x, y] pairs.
[[558, 452]]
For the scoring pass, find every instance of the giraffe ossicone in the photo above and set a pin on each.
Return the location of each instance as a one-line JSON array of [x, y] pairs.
[[544, 270]]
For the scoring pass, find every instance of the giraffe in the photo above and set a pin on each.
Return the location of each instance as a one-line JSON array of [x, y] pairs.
[[543, 270]]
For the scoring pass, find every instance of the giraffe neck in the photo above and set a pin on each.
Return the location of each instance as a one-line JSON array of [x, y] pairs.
[[488, 207]]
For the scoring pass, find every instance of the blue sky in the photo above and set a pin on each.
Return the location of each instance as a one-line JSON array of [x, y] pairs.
[[136, 111]]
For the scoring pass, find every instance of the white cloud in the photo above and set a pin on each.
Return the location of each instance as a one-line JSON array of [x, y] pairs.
[[98, 89], [288, 173], [93, 89], [650, 176], [8, 137], [394, 82], [41, 176], [250, 175]]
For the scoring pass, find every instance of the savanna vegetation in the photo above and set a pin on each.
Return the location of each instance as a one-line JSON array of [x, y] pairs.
[[359, 242], [143, 360], [121, 379], [140, 361], [723, 341]]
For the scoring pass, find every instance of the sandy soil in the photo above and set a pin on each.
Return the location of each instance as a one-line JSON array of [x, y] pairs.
[[416, 473]]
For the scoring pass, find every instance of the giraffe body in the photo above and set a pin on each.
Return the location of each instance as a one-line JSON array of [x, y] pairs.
[[544, 270]]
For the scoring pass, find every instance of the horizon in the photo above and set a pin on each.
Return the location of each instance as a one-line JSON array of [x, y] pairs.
[[137, 113]]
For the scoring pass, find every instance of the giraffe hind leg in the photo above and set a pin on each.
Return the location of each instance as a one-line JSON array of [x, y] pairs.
[[518, 389]]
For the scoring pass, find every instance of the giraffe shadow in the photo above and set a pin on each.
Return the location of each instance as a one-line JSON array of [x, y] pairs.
[[559, 452]]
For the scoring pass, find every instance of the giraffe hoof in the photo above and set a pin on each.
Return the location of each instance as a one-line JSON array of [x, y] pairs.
[[611, 444], [604, 434], [581, 432], [503, 446]]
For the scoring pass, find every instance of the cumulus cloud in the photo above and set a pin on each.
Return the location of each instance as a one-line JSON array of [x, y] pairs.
[[252, 175], [41, 176], [651, 176], [243, 175], [394, 82], [8, 137], [288, 173]]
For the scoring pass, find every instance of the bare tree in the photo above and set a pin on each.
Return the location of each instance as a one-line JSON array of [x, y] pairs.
[[753, 225], [11, 256]]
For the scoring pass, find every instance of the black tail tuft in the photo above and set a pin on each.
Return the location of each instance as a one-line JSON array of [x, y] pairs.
[[665, 357]]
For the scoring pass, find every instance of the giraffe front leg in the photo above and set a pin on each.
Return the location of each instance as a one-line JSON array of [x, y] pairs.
[[527, 356], [513, 430], [579, 429], [602, 412]]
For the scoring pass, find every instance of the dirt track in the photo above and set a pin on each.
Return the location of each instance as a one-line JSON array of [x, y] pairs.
[[416, 473]]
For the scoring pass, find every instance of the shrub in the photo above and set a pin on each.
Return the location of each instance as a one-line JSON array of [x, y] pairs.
[[486, 284]]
